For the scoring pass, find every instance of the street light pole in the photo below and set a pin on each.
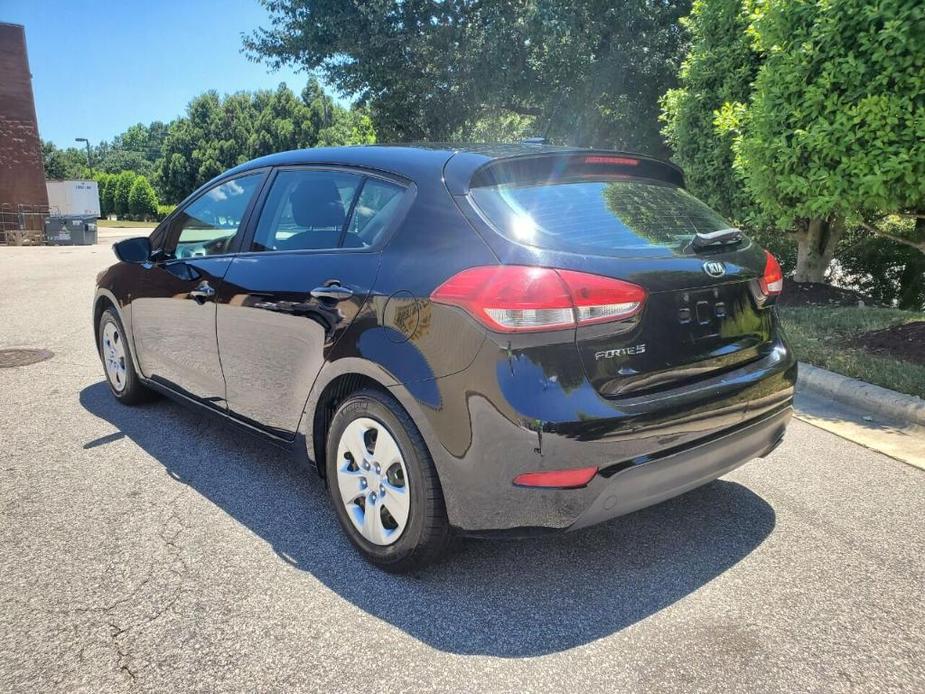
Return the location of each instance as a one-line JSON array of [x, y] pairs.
[[86, 142]]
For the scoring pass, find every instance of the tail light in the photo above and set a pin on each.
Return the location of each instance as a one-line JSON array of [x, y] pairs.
[[557, 479], [517, 298], [771, 283]]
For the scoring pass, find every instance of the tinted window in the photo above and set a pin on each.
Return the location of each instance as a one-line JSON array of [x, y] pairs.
[[375, 208], [597, 215], [305, 210], [207, 225]]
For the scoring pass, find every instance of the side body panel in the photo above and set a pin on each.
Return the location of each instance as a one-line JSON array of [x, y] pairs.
[[174, 332], [274, 336]]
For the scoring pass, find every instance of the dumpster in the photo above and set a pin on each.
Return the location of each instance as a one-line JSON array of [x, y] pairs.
[[70, 230]]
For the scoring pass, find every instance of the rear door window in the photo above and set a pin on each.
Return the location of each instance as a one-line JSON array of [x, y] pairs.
[[375, 208], [319, 210], [306, 209], [606, 216]]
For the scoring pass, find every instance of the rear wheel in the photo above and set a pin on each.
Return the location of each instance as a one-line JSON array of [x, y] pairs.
[[117, 361], [383, 483]]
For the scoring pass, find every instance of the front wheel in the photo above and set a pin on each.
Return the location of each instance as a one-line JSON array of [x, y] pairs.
[[383, 483], [117, 361]]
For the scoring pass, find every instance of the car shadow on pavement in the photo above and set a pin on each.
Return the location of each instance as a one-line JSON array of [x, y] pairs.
[[501, 598]]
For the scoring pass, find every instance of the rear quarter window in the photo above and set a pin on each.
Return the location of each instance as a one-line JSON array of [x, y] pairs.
[[605, 216]]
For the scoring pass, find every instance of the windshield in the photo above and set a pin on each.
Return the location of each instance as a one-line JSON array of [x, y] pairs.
[[597, 216]]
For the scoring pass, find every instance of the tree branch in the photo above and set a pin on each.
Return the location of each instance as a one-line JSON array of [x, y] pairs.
[[523, 110], [919, 246]]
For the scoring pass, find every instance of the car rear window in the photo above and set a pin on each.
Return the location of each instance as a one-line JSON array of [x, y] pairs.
[[608, 215]]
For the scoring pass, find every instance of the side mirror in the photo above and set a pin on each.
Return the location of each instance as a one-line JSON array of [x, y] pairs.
[[134, 250]]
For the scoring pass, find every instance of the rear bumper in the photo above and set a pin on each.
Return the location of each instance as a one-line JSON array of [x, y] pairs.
[[502, 417], [651, 480]]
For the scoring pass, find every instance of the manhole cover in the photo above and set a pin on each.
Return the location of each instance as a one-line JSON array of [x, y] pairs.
[[23, 357]]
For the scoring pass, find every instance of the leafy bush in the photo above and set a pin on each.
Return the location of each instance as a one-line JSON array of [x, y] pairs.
[[835, 125], [348, 128], [142, 200], [819, 106], [163, 211], [104, 183], [123, 187], [779, 243], [833, 131], [891, 273], [719, 68]]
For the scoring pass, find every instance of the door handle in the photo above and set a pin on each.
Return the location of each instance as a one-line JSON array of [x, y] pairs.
[[202, 292], [334, 292]]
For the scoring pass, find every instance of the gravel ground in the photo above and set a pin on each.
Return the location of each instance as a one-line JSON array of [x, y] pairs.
[[151, 549]]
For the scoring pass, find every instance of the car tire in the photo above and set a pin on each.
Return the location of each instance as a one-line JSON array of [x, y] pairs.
[[118, 366], [395, 476]]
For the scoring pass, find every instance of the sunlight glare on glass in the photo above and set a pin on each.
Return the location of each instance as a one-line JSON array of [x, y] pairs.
[[524, 227]]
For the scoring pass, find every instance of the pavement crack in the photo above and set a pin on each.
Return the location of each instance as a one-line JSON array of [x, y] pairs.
[[124, 656], [169, 533]]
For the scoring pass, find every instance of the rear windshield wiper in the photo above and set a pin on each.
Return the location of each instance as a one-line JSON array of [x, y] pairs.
[[716, 239]]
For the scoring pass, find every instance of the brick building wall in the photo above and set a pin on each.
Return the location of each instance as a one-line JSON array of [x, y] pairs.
[[22, 178]]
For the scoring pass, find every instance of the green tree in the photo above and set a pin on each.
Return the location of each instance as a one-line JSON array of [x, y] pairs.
[[592, 70], [348, 128], [218, 133], [142, 200], [832, 136], [720, 67], [498, 126], [192, 147], [63, 164], [137, 149], [122, 189]]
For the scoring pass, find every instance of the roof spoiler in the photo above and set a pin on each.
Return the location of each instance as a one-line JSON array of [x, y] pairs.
[[545, 165]]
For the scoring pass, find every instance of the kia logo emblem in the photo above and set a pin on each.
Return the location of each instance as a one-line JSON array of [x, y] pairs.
[[714, 268]]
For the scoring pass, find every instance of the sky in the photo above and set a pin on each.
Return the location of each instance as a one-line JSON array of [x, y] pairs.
[[99, 67]]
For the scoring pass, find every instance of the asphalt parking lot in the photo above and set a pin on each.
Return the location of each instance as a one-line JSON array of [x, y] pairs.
[[152, 549]]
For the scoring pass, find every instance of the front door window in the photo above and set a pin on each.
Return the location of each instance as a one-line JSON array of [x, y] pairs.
[[208, 224]]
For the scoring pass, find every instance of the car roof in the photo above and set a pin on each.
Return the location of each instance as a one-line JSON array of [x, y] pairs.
[[402, 159], [409, 162], [418, 161]]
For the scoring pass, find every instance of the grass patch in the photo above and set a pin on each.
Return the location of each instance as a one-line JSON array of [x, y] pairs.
[[818, 336], [125, 224]]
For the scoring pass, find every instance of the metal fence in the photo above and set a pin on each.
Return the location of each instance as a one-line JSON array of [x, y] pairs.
[[23, 225]]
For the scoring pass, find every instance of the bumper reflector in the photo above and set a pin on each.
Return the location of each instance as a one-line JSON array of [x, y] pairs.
[[557, 479]]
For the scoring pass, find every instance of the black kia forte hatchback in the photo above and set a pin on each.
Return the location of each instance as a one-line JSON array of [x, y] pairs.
[[500, 340]]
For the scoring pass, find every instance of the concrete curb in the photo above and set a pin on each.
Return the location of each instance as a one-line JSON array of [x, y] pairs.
[[850, 391]]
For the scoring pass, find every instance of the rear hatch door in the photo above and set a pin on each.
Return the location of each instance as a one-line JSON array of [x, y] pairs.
[[629, 218]]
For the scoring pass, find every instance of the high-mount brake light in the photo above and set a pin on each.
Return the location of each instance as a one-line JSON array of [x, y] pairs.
[[771, 282], [621, 161], [518, 298]]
